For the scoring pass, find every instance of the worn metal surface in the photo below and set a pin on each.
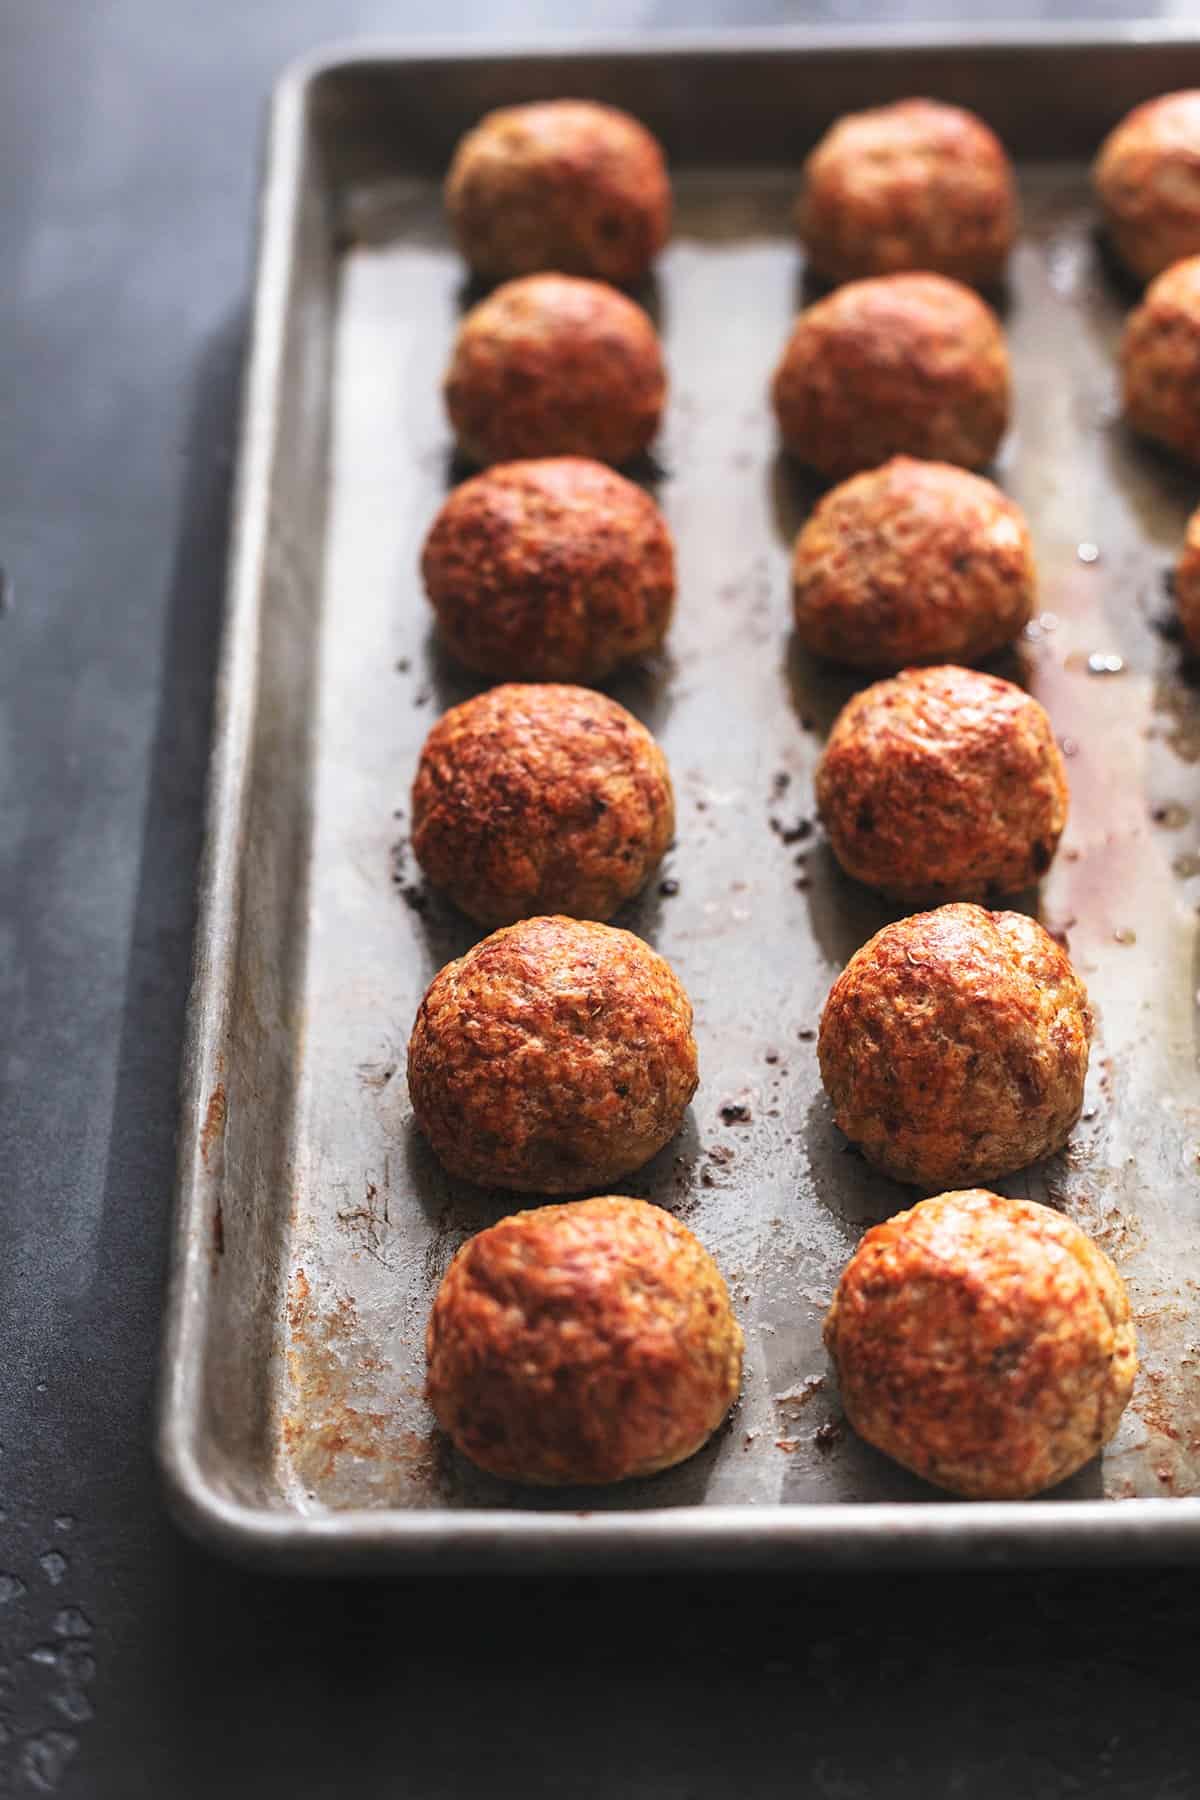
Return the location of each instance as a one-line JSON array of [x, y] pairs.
[[314, 1224]]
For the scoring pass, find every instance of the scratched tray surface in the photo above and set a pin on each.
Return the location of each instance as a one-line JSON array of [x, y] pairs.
[[761, 921], [315, 1224]]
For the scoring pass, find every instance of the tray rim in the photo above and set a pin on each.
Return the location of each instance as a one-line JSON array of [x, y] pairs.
[[879, 1534]]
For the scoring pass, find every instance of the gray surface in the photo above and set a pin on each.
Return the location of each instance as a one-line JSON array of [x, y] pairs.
[[127, 173], [315, 1223]]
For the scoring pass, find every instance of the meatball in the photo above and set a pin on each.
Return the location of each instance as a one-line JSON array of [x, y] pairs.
[[913, 363], [541, 800], [551, 365], [1160, 361], [954, 1046], [1187, 583], [914, 562], [1147, 178], [555, 570], [553, 1057], [560, 184], [915, 185], [582, 1343], [984, 1343], [943, 784]]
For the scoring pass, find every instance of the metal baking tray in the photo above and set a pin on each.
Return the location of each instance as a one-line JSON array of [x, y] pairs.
[[313, 1225]]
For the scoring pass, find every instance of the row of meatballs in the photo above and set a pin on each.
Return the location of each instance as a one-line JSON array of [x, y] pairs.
[[583, 189], [903, 205], [558, 1056], [983, 1342]]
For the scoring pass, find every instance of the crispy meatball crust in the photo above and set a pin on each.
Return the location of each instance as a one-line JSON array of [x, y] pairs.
[[560, 184], [555, 1056], [552, 365], [954, 1046], [1187, 583], [580, 1343], [984, 1343], [550, 570], [901, 363], [915, 185], [1147, 178], [541, 800], [943, 784], [914, 562], [1160, 361]]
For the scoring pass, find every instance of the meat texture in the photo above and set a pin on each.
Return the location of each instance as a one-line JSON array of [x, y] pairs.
[[917, 185], [553, 365], [559, 184], [1160, 361], [985, 1343], [1147, 179], [909, 563], [553, 1057], [943, 784], [954, 1046], [550, 570], [582, 1343], [912, 364], [540, 799]]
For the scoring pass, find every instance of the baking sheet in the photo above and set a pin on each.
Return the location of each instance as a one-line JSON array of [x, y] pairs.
[[314, 1222]]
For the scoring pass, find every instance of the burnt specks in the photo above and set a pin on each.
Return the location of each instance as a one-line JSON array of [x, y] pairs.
[[795, 833], [414, 894]]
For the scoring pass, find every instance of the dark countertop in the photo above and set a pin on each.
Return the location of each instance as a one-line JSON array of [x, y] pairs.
[[128, 133]]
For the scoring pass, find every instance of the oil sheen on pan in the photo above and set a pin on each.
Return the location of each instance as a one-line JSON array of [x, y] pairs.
[[336, 1222]]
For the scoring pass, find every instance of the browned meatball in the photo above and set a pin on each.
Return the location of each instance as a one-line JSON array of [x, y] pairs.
[[1147, 177], [984, 1343], [541, 800], [1187, 583], [1160, 361], [555, 366], [551, 570], [943, 784], [559, 184], [954, 1046], [914, 185], [914, 562], [912, 363], [583, 1343], [553, 1057]]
